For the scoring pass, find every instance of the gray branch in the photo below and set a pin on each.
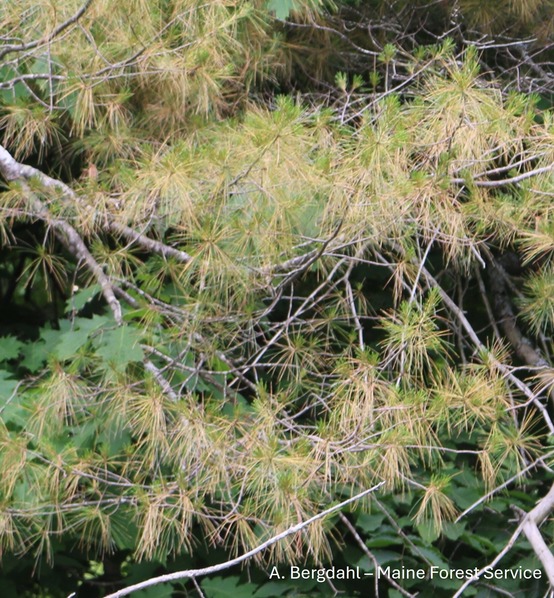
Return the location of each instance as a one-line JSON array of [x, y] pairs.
[[12, 170]]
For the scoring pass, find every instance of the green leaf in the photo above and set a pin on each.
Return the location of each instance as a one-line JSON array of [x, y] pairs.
[[227, 587], [383, 557], [10, 347], [432, 555], [281, 8], [453, 531], [10, 407], [78, 300], [428, 531], [369, 523], [120, 347], [84, 435], [162, 590], [70, 342], [90, 325], [113, 441], [7, 385], [36, 353], [465, 497], [480, 543], [383, 540]]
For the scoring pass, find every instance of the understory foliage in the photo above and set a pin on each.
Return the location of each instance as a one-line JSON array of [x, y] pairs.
[[232, 297]]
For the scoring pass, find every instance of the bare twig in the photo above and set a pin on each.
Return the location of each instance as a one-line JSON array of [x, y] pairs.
[[149, 244], [529, 526], [162, 382], [371, 556], [510, 181], [505, 484]]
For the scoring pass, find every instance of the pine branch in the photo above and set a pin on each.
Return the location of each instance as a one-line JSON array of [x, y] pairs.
[[66, 234], [502, 367], [149, 244], [12, 170], [47, 38], [193, 573]]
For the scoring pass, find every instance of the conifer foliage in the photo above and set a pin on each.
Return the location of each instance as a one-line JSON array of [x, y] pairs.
[[261, 257]]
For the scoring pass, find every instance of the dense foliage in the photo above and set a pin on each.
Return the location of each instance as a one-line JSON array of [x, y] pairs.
[[258, 256]]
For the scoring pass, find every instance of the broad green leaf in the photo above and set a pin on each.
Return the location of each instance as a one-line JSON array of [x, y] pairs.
[[36, 353], [10, 401], [453, 531], [431, 554], [10, 347], [227, 587], [382, 540], [120, 347], [428, 531], [383, 557], [69, 343], [162, 590], [7, 385], [81, 297], [281, 8], [90, 325], [369, 523]]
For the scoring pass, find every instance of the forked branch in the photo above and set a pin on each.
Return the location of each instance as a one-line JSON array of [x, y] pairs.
[[12, 170]]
